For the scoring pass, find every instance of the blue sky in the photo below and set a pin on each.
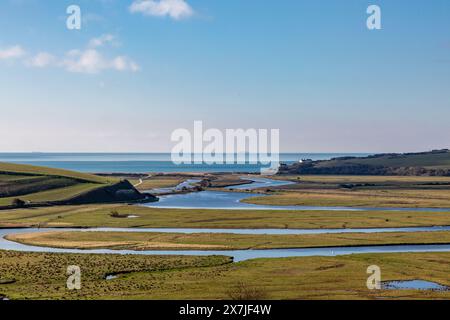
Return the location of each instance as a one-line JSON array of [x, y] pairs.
[[310, 68]]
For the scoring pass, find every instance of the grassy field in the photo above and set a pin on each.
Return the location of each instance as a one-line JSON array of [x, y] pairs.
[[43, 276], [22, 186], [100, 215], [208, 241], [381, 180], [165, 181], [436, 163], [53, 195], [226, 180], [44, 171], [157, 182], [358, 198], [426, 160], [360, 191], [40, 184]]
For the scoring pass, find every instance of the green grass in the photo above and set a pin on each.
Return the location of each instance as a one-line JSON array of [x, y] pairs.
[[226, 180], [37, 184], [99, 215], [427, 160], [53, 195], [335, 180], [45, 171], [208, 241], [43, 276], [436, 163], [40, 184], [359, 191], [157, 182], [8, 178], [403, 198]]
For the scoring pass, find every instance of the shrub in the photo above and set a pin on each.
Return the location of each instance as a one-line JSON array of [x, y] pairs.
[[243, 291], [18, 203], [115, 214]]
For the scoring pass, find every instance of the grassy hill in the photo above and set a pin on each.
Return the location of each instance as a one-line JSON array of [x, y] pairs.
[[433, 163], [9, 169], [34, 184]]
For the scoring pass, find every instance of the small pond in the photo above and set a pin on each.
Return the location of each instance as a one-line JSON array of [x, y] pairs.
[[413, 285]]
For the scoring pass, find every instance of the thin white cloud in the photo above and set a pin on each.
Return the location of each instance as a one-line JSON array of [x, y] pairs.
[[89, 60], [92, 61], [123, 63], [41, 60], [12, 53], [176, 9], [103, 40]]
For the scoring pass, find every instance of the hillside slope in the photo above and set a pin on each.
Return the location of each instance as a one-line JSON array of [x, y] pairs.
[[37, 186], [22, 169], [433, 163]]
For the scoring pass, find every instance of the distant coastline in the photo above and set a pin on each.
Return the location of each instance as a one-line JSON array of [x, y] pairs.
[[429, 163], [144, 162]]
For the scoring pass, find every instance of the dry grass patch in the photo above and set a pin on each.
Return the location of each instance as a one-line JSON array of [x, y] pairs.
[[220, 241]]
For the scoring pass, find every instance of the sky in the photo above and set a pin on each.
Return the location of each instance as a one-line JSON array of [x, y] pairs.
[[139, 69]]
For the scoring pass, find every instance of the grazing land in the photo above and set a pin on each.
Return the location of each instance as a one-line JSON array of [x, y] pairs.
[[208, 241], [58, 194], [29, 186], [433, 163], [361, 198], [43, 276], [430, 160], [225, 180], [40, 184], [28, 170], [100, 216], [361, 180], [360, 191], [209, 180], [156, 182]]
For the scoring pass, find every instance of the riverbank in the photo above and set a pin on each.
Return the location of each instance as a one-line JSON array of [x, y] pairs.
[[101, 216], [146, 241], [358, 191]]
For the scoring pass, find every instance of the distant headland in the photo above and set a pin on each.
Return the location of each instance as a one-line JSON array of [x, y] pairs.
[[430, 163]]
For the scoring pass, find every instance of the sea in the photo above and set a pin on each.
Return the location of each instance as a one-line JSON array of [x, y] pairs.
[[145, 162]]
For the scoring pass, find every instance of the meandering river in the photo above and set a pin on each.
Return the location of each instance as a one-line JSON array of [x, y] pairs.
[[238, 255], [232, 200]]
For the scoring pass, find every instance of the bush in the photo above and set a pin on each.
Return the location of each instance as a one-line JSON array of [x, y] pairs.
[[243, 291], [115, 214], [18, 203]]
